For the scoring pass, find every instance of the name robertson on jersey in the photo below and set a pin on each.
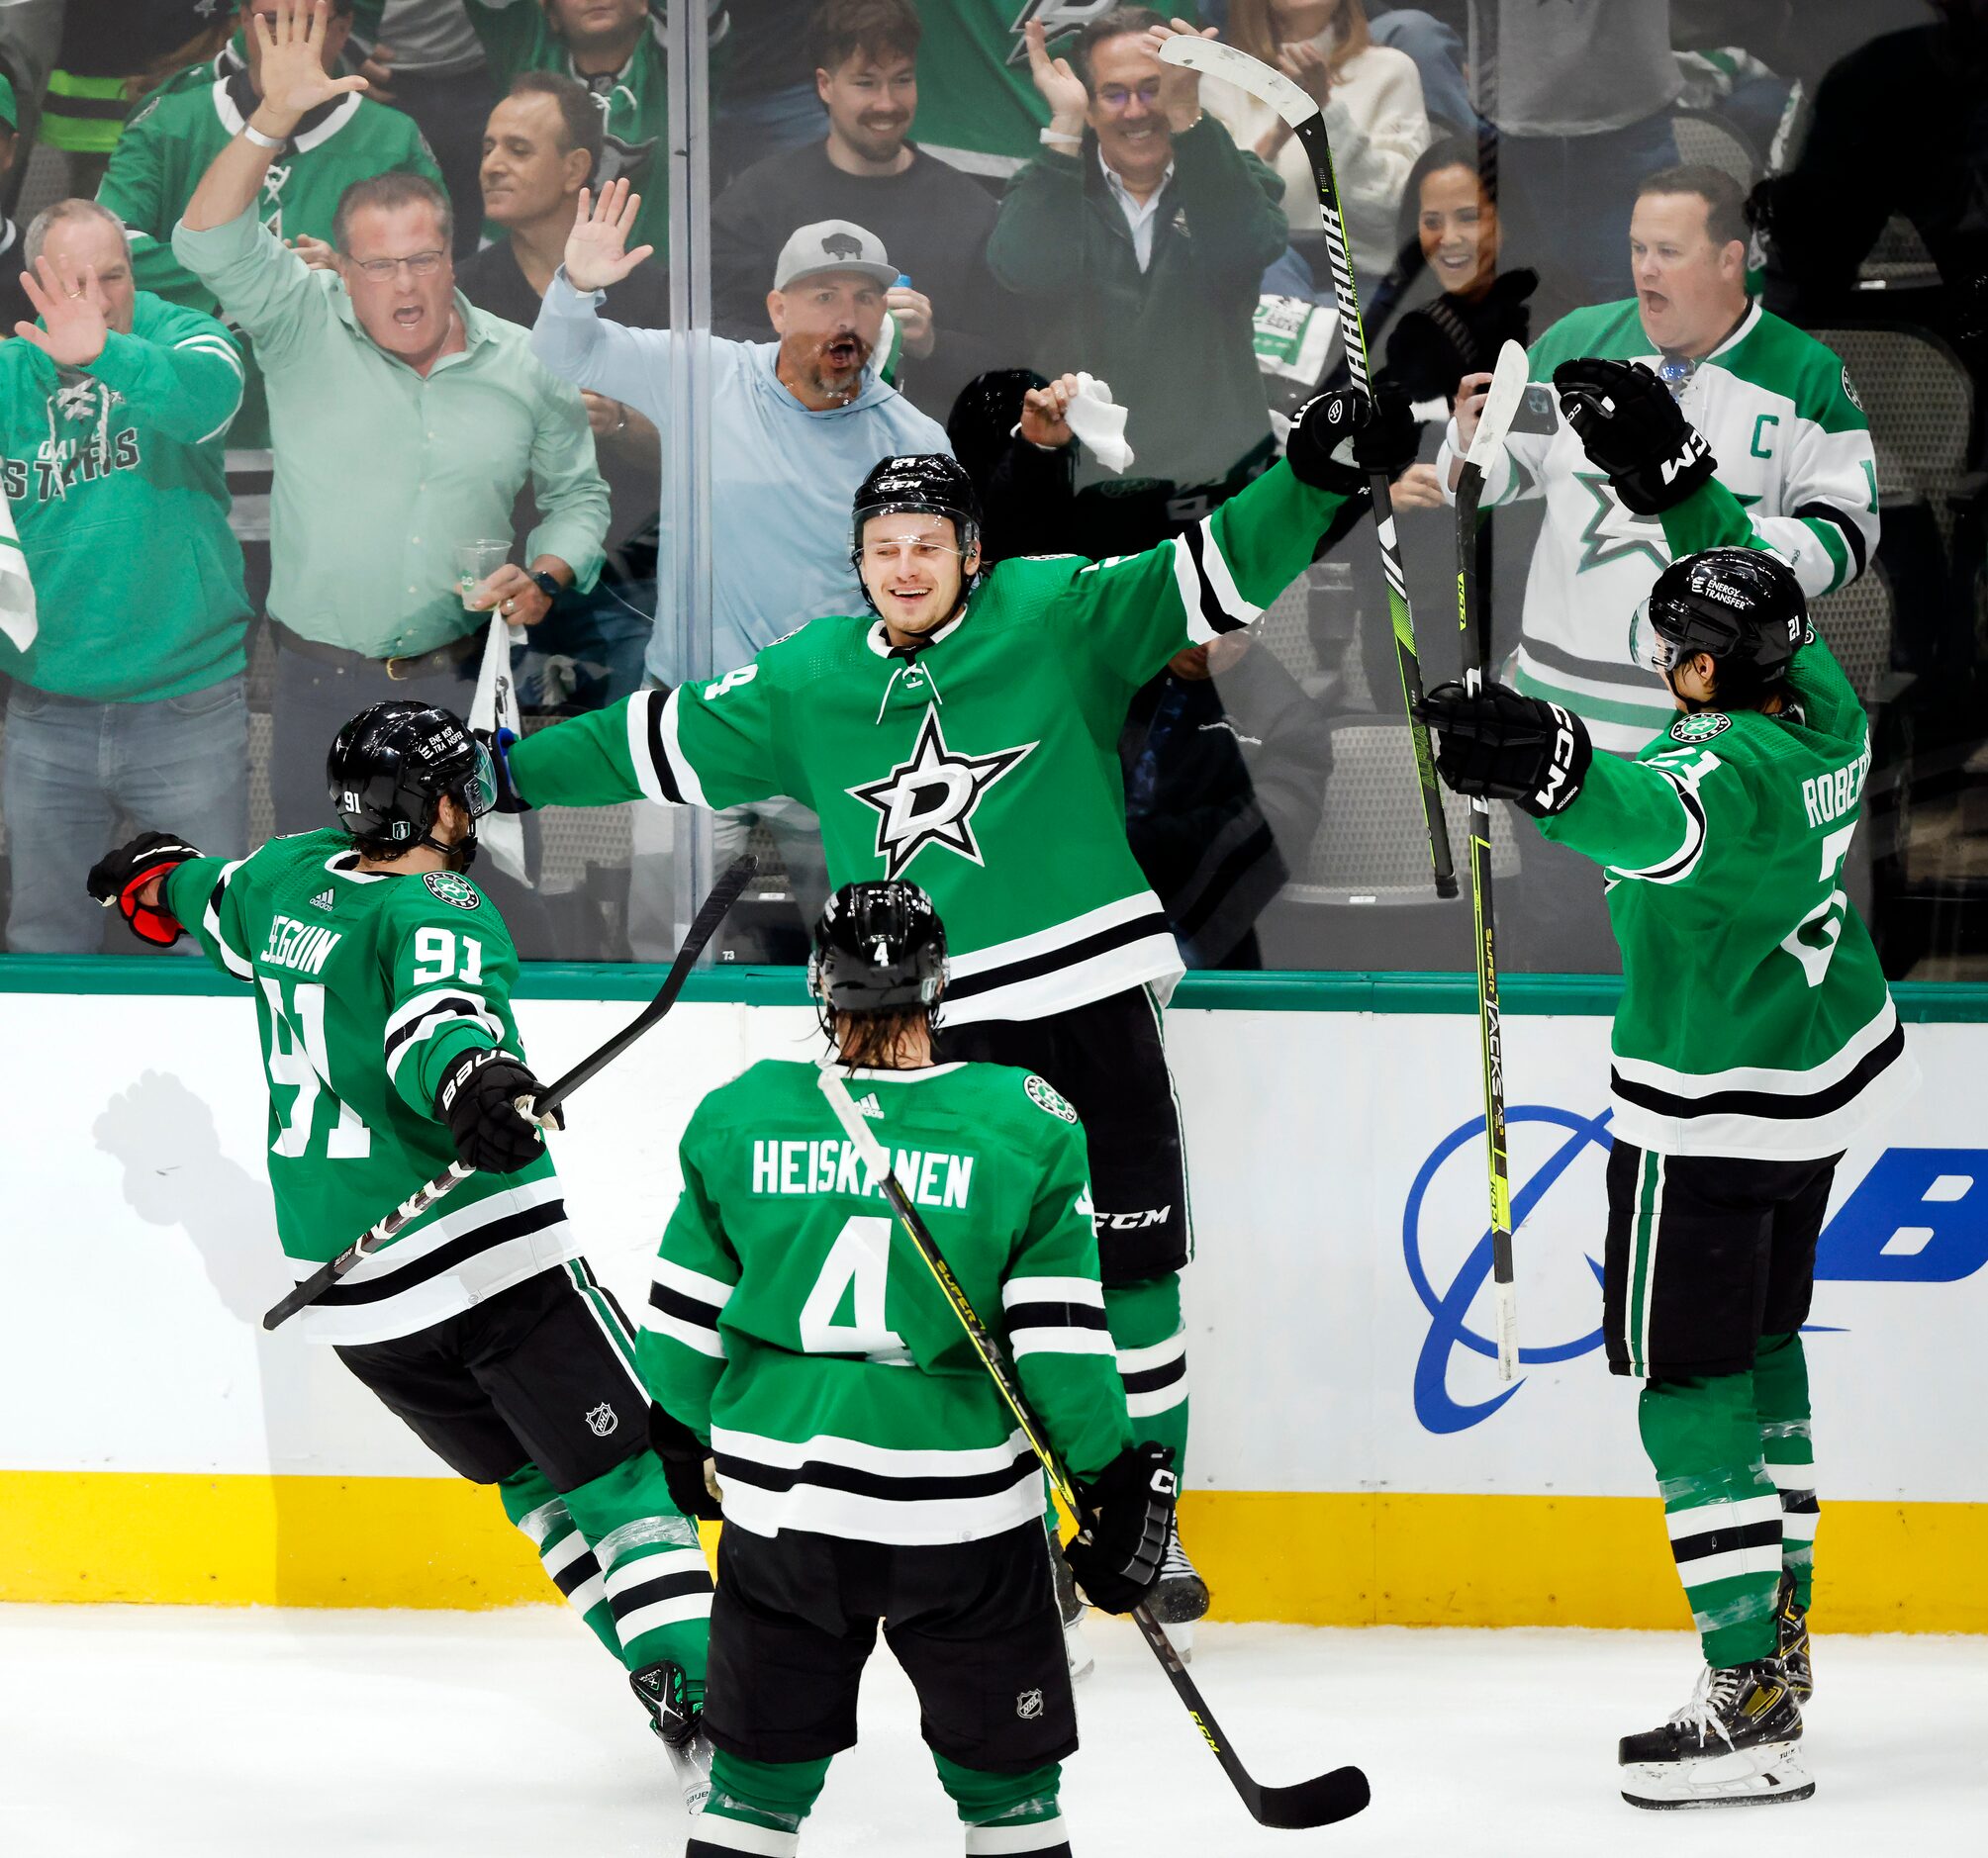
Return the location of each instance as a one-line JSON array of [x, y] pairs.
[[1831, 796], [300, 946], [835, 1167]]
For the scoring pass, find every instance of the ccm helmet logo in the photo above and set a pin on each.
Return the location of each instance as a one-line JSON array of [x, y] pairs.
[[1562, 765]]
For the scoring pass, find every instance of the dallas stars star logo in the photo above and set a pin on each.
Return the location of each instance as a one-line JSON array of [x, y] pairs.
[[1614, 531], [930, 799]]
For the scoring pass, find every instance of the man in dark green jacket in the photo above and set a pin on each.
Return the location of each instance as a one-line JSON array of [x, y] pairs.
[[1139, 236]]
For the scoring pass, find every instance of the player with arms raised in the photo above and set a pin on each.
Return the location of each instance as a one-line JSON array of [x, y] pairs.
[[1755, 1037], [869, 1468], [382, 979], [965, 736]]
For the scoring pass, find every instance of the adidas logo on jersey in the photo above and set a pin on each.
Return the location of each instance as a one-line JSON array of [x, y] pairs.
[[324, 899], [870, 1107]]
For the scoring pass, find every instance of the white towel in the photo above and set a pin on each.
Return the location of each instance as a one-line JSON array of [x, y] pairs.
[[494, 707], [17, 592], [1100, 423]]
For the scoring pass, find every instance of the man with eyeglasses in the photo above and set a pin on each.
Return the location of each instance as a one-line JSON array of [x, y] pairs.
[[1138, 238], [405, 421], [174, 136]]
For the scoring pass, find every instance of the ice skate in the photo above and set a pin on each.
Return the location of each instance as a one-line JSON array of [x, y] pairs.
[[663, 1690], [1180, 1596], [1791, 1630], [1071, 1608], [1735, 1743]]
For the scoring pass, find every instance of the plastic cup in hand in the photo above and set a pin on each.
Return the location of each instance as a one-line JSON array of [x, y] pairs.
[[475, 563]]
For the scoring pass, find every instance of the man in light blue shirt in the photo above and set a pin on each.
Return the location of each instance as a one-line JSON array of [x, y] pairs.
[[795, 425]]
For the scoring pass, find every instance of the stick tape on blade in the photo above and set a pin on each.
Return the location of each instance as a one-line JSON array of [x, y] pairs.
[[1502, 404], [1213, 59]]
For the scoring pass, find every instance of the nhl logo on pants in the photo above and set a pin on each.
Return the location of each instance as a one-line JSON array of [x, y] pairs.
[[603, 1420], [1028, 1705]]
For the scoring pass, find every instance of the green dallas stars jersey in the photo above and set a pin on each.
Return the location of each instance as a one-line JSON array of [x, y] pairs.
[[985, 768], [798, 1331], [1785, 425], [172, 139], [367, 985], [1755, 1019]]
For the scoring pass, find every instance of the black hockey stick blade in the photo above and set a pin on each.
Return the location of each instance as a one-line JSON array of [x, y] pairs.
[[1324, 1800], [723, 895]]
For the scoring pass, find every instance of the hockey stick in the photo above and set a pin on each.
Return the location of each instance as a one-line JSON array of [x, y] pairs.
[[1307, 123], [1501, 403], [1317, 1802], [723, 895]]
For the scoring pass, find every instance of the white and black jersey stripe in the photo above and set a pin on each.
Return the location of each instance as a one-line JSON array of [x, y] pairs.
[[660, 765], [420, 1017], [685, 1306], [446, 1267], [234, 960], [1758, 1112], [1681, 862], [1209, 597], [1055, 1316], [1105, 951], [836, 1486]]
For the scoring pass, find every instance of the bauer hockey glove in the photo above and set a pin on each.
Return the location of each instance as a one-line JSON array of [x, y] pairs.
[[1321, 447], [1126, 1513], [478, 1102], [687, 1466], [1501, 746], [121, 877], [1632, 429]]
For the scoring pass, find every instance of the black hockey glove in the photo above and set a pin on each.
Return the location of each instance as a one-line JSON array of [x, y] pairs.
[[475, 1101], [1321, 448], [117, 878], [685, 1457], [1501, 746], [1632, 427], [499, 742], [1126, 1515]]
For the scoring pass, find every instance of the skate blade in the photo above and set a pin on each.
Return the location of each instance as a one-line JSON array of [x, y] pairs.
[[1180, 1635], [1766, 1775], [1076, 1649]]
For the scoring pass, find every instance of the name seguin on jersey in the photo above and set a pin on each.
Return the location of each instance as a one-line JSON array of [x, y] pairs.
[[301, 946], [1829, 797], [835, 1167]]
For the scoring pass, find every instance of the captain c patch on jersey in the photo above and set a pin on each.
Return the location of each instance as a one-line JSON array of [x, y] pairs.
[[930, 799]]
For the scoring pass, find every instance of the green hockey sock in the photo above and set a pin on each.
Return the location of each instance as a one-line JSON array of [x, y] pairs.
[[1781, 1397], [1152, 1343], [532, 1502], [755, 1806], [1719, 1507], [1007, 1812], [655, 1575]]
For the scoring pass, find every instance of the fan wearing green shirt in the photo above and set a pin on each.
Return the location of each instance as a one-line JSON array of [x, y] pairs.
[[406, 422]]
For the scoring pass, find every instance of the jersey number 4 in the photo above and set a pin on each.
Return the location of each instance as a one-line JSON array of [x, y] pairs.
[[853, 1277], [297, 1063]]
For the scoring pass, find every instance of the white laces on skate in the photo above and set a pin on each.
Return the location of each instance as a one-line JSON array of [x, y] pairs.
[[1715, 1691]]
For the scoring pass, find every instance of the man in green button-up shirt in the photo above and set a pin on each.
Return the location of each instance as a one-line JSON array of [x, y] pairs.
[[405, 422]]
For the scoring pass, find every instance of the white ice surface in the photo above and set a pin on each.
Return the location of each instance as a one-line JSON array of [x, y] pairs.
[[207, 1733]]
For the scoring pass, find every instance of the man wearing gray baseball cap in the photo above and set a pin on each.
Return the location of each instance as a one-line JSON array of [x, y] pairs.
[[796, 424]]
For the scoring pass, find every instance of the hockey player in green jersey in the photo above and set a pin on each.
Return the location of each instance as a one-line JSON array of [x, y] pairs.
[[1754, 1038], [964, 733], [382, 980], [868, 1469]]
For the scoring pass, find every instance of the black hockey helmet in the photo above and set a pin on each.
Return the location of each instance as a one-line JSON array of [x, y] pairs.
[[983, 417], [929, 481], [878, 948], [1741, 605], [391, 766]]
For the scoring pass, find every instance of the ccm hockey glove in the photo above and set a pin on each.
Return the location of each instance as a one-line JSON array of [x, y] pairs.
[[477, 1102], [1501, 746], [120, 876], [1321, 448], [687, 1463], [1126, 1513], [1632, 427]]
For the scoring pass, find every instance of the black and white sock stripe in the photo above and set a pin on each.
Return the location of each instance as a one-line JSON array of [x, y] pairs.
[[1716, 1541]]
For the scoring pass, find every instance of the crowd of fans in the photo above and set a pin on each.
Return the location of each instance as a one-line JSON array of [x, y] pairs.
[[308, 367]]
